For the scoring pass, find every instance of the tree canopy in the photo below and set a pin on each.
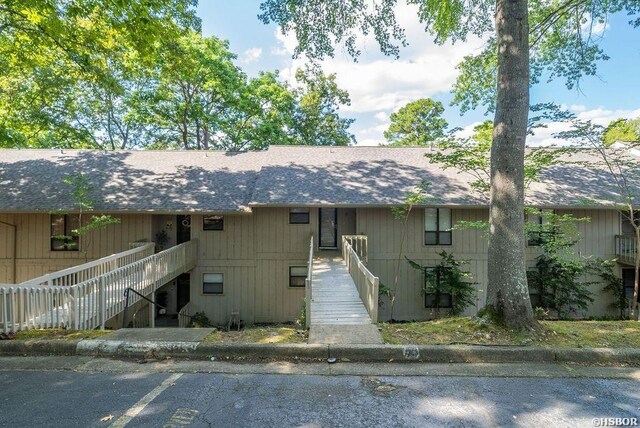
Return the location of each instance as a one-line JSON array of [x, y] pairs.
[[139, 74], [623, 130], [419, 123]]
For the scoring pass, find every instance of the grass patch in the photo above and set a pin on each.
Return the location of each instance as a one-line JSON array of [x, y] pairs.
[[561, 334], [55, 333], [276, 333]]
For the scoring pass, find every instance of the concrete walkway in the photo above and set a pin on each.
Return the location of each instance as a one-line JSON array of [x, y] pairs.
[[338, 315]]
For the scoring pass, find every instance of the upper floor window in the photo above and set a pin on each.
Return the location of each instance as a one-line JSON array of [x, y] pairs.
[[626, 225], [299, 216], [536, 233], [64, 236], [437, 226], [213, 222]]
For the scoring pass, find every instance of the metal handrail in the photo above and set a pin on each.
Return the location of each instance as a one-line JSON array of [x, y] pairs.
[[126, 304]]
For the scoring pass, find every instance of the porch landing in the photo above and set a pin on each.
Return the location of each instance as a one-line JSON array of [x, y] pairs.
[[337, 312]]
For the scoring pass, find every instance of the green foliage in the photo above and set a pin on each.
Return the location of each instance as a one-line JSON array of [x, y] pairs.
[[557, 273], [613, 284], [564, 44], [200, 320], [414, 197], [419, 123], [315, 120], [302, 319], [80, 192], [447, 277], [625, 130], [91, 74], [384, 292], [161, 239], [473, 156], [53, 54]]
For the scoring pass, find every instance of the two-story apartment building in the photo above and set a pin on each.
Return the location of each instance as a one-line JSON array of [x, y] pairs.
[[253, 215]]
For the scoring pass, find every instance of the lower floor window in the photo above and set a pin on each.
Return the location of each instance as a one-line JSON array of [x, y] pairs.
[[212, 283], [434, 285], [297, 276], [437, 300]]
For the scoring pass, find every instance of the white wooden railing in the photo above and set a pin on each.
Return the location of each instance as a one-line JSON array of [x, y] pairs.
[[360, 245], [90, 303], [184, 316], [366, 283], [308, 295], [77, 274], [626, 249]]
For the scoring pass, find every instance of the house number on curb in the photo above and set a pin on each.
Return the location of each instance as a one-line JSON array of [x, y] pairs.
[[411, 352]]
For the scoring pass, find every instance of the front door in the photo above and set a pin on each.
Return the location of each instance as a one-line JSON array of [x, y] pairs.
[[183, 229], [328, 228], [184, 290]]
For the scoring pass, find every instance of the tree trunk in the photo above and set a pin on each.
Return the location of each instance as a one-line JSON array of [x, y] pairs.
[[507, 289], [634, 302]]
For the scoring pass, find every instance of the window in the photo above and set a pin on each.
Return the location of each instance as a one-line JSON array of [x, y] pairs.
[[628, 276], [437, 226], [63, 232], [437, 299], [212, 283], [297, 276], [213, 222], [299, 216], [626, 225], [536, 231]]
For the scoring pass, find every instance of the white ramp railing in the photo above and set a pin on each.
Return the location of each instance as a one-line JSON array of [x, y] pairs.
[[90, 303], [360, 244], [366, 283], [308, 295], [86, 271]]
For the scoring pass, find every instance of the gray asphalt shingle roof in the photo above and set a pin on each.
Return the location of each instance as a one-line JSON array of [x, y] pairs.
[[160, 181], [195, 181]]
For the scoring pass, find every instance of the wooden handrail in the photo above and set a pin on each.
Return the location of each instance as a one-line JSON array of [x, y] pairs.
[[108, 263], [308, 291], [90, 303], [360, 243], [367, 283]]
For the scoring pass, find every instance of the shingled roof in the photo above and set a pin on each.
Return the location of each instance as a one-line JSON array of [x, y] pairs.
[[129, 181], [198, 181]]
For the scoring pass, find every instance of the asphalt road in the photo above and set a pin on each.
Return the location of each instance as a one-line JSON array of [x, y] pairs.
[[38, 398]]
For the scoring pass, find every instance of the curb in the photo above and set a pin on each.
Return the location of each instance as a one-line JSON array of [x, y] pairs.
[[317, 352], [38, 347]]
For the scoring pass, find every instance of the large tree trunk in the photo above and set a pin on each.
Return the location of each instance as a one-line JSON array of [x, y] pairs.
[[507, 290], [636, 273]]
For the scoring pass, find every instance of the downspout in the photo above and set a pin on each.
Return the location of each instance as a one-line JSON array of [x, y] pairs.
[[15, 248]]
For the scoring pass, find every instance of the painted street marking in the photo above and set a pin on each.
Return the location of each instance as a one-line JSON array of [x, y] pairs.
[[181, 418], [144, 401]]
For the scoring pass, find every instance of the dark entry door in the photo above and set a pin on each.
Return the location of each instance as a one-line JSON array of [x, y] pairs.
[[628, 276], [328, 227], [184, 285], [183, 230]]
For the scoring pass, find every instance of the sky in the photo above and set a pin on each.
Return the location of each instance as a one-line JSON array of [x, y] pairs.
[[380, 85]]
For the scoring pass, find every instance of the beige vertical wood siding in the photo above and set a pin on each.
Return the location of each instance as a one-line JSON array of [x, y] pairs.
[[254, 253], [385, 234], [34, 255]]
